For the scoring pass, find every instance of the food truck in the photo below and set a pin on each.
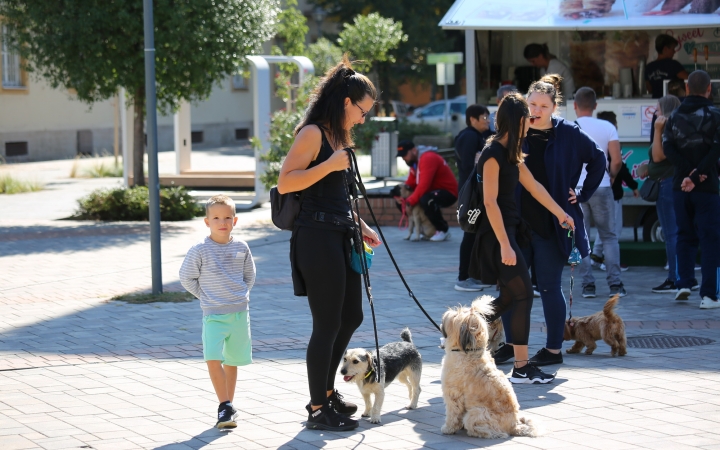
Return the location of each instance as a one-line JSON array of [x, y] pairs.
[[606, 43]]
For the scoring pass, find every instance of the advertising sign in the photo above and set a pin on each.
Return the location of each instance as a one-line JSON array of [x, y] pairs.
[[574, 14]]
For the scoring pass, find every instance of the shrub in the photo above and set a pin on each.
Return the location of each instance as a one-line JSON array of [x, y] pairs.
[[132, 204], [11, 185], [102, 170], [364, 135]]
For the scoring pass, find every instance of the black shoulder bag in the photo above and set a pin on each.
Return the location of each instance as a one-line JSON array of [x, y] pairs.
[[470, 203], [284, 208]]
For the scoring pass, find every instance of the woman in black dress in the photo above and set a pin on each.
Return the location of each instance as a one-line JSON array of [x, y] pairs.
[[317, 164], [496, 249]]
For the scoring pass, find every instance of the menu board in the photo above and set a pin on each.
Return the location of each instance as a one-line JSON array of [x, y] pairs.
[[581, 14]]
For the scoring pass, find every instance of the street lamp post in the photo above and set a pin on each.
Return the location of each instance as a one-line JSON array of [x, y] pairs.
[[153, 178]]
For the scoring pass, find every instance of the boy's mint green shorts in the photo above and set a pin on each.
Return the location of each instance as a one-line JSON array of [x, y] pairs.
[[226, 338]]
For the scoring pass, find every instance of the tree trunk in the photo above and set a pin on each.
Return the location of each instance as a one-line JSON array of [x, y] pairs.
[[139, 139]]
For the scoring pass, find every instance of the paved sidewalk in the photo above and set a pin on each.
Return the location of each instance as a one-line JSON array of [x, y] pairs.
[[80, 371]]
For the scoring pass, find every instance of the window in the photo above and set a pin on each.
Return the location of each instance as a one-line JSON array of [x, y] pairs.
[[458, 108], [10, 64], [240, 82], [433, 110]]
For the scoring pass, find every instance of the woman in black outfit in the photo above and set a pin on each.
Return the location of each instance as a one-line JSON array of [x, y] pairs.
[[317, 165], [496, 249]]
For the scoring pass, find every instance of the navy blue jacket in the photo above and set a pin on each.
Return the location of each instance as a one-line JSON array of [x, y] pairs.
[[565, 155]]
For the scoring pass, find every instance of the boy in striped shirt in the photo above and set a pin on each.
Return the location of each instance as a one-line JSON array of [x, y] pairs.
[[219, 270]]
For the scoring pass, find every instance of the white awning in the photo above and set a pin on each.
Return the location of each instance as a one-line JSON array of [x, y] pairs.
[[580, 15]]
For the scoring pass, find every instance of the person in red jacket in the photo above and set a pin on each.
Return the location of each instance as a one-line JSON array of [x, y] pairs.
[[433, 184]]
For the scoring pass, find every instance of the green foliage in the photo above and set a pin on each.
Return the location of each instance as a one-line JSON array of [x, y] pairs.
[[324, 55], [11, 185], [291, 29], [370, 39], [103, 170], [420, 20], [364, 135], [132, 204], [96, 46]]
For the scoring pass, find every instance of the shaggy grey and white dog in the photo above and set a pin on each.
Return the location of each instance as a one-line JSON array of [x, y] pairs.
[[399, 360]]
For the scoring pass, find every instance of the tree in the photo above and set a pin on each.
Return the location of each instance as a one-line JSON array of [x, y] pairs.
[[96, 47], [371, 39], [420, 19]]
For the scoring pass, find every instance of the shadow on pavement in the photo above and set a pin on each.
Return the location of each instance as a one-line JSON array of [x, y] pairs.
[[196, 442]]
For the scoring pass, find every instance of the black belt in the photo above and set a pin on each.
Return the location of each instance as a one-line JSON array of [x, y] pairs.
[[320, 216]]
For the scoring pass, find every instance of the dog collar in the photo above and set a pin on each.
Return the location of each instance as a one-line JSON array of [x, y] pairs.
[[368, 374], [467, 349]]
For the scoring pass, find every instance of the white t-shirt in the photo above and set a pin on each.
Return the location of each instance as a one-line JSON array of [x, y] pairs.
[[568, 84], [602, 132]]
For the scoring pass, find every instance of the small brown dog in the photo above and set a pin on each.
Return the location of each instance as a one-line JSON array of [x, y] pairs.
[[605, 325], [418, 221]]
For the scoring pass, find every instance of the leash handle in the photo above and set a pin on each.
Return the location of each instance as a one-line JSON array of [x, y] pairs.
[[361, 188]]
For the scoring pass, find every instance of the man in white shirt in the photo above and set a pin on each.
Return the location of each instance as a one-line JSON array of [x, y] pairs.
[[539, 56], [601, 206]]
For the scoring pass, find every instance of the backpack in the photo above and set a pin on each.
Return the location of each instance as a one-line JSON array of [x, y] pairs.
[[470, 203], [284, 208]]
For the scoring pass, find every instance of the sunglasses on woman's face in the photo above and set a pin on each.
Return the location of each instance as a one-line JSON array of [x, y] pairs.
[[364, 113]]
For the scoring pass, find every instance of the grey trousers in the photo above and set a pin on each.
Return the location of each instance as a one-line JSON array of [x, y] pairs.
[[601, 207]]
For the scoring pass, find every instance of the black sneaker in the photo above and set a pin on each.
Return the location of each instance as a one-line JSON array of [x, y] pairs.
[[546, 358], [530, 374], [597, 259], [503, 354], [340, 405], [325, 418], [225, 416], [589, 291], [667, 286]]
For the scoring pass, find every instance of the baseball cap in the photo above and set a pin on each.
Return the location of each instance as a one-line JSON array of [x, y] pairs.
[[404, 147]]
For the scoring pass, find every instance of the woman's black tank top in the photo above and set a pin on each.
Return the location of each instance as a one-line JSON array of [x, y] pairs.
[[325, 203]]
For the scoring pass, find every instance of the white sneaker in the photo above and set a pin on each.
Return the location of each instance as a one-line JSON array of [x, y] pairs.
[[440, 236], [682, 294], [602, 266], [708, 303], [467, 286], [480, 283]]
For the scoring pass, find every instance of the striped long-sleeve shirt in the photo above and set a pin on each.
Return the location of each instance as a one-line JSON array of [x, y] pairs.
[[220, 275]]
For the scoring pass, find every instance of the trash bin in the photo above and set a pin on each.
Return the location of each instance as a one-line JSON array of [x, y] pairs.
[[384, 149]]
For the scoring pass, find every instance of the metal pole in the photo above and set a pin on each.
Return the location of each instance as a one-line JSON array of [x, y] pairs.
[[152, 147], [445, 96]]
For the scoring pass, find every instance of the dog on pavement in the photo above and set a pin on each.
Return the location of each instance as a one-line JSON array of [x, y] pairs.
[[418, 221], [399, 360], [477, 395], [606, 325]]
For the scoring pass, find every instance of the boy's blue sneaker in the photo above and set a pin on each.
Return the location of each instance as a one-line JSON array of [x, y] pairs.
[[226, 412]]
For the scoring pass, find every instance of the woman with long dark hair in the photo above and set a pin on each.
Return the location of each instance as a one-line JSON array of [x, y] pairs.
[[317, 164], [496, 255], [555, 152]]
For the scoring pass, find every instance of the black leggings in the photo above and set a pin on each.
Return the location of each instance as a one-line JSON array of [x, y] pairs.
[[335, 299], [516, 291]]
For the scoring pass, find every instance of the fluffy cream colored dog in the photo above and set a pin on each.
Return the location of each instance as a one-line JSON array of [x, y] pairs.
[[478, 396]]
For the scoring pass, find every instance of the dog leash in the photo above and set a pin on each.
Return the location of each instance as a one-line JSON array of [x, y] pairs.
[[404, 214], [361, 187], [573, 260], [359, 245]]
